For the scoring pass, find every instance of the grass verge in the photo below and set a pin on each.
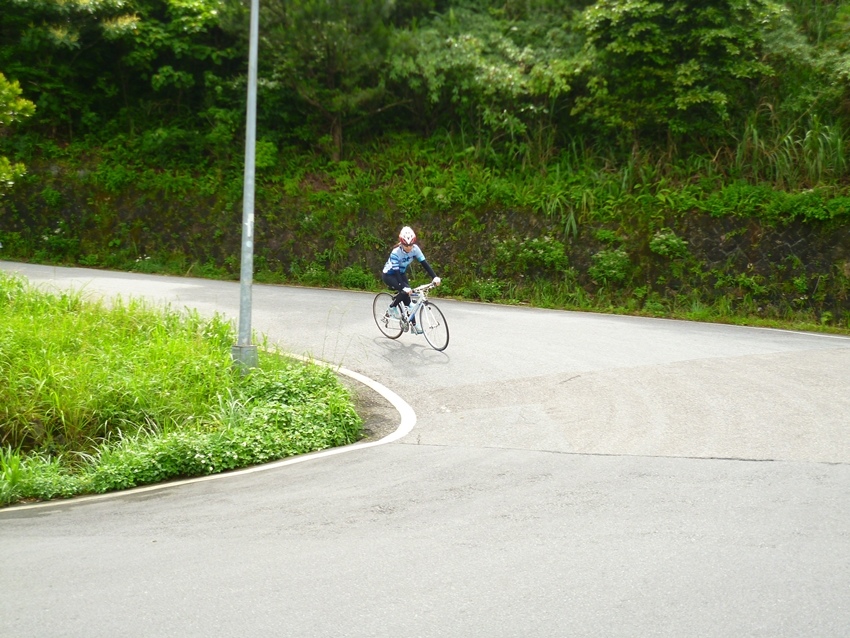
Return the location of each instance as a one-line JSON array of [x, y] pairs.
[[95, 398]]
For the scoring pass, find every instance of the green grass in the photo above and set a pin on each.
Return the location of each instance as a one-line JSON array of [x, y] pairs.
[[95, 398]]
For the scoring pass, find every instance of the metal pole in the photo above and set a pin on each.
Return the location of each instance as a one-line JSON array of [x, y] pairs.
[[244, 353]]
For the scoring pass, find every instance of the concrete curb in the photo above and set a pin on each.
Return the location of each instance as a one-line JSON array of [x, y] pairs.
[[406, 424]]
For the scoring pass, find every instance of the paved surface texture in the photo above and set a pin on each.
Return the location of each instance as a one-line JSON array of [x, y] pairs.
[[569, 474]]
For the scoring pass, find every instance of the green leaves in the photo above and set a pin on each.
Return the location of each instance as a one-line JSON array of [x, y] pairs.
[[515, 81], [82, 62], [504, 78], [672, 66], [13, 108]]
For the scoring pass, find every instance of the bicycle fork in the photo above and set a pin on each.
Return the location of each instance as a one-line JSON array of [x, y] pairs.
[[408, 316]]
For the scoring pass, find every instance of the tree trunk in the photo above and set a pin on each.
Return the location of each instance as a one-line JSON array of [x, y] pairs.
[[336, 133]]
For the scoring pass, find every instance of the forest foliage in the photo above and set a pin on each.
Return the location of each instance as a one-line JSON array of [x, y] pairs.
[[520, 80], [636, 114]]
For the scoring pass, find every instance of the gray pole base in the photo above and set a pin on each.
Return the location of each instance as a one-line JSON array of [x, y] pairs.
[[244, 357]]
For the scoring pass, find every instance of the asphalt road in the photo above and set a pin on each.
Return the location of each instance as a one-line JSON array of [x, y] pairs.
[[568, 474]]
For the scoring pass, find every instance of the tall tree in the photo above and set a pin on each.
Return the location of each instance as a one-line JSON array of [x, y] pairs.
[[332, 54]]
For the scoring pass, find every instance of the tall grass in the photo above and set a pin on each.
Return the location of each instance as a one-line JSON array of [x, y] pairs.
[[78, 371], [96, 397], [792, 157]]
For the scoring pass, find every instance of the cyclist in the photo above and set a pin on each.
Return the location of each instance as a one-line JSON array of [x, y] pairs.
[[403, 253]]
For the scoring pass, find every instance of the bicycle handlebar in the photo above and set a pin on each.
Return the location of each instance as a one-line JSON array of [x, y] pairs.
[[425, 287]]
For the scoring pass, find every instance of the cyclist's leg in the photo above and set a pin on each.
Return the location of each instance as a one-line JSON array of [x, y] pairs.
[[398, 282]]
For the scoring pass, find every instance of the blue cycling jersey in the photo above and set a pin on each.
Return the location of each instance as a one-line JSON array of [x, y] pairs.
[[400, 260]]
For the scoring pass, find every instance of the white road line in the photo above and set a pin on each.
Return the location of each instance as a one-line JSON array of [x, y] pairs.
[[408, 421]]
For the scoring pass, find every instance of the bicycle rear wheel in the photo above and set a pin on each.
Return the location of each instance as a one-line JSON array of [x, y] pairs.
[[380, 310], [433, 323]]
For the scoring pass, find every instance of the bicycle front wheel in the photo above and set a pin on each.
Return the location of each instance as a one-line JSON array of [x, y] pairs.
[[434, 325], [380, 310]]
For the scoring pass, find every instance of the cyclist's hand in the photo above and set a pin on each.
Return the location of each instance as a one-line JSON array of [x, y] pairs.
[[436, 281], [407, 290]]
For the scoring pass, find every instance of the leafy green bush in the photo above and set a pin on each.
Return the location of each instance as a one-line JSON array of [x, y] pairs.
[[357, 277], [610, 266], [483, 289], [282, 413], [530, 257], [667, 244]]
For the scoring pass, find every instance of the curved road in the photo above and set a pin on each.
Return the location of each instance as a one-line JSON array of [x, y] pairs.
[[569, 474]]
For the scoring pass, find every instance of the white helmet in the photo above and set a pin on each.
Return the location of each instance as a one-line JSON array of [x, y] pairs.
[[406, 236]]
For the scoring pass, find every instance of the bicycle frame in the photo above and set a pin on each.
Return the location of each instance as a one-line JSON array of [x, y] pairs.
[[418, 296]]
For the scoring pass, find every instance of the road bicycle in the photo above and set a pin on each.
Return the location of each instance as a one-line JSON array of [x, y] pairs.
[[421, 317]]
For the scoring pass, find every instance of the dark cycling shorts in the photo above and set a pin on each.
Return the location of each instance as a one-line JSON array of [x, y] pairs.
[[397, 281]]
